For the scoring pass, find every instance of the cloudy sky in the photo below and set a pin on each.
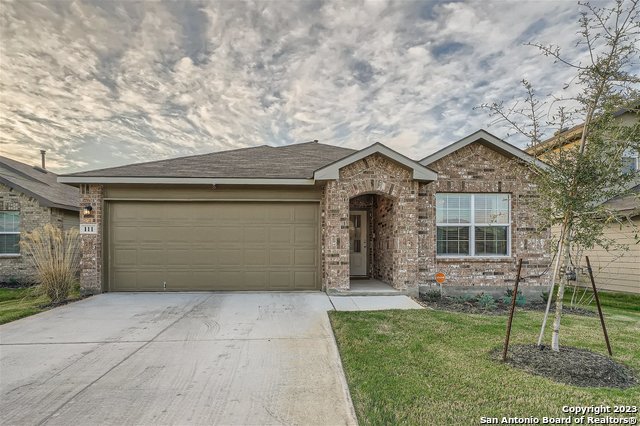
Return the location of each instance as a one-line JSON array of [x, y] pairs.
[[105, 83]]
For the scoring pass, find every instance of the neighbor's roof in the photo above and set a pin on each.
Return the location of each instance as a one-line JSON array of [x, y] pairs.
[[628, 204], [38, 183], [564, 137], [291, 162], [487, 139]]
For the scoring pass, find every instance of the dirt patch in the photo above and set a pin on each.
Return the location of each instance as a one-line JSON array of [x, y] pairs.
[[474, 307], [572, 366]]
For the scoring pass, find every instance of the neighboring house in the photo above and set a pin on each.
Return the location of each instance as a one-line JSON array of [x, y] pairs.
[[312, 216], [615, 270], [619, 270], [570, 139], [30, 197]]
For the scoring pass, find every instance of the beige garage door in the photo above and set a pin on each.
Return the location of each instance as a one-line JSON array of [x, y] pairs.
[[212, 246]]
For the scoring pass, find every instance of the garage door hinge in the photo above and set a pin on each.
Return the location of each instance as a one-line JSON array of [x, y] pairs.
[[164, 285]]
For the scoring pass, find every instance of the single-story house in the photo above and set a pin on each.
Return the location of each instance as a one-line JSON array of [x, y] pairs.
[[312, 216], [30, 197]]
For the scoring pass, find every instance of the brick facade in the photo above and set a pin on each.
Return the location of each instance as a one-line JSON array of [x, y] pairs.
[[91, 263], [476, 169], [32, 216], [393, 184]]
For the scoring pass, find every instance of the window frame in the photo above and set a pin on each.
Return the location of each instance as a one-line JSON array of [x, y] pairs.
[[14, 254], [472, 225]]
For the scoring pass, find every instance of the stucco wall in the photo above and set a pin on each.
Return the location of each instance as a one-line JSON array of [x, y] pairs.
[[476, 169]]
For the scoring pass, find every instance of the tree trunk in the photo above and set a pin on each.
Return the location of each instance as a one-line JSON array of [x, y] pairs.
[[554, 276], [565, 248]]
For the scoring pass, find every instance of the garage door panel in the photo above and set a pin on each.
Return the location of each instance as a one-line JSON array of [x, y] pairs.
[[212, 246], [280, 235]]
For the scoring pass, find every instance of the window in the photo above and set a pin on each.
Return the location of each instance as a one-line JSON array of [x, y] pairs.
[[9, 232], [473, 224], [630, 161]]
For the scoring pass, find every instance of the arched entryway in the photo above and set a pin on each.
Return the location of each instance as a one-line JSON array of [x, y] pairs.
[[372, 237]]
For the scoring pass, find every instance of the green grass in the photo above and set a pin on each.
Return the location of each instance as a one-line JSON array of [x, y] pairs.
[[434, 368], [16, 303]]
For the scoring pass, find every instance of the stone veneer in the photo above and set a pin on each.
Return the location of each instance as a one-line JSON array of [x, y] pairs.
[[32, 215], [374, 174], [91, 268], [476, 169]]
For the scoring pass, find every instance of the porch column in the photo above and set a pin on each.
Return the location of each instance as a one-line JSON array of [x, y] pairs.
[[335, 237]]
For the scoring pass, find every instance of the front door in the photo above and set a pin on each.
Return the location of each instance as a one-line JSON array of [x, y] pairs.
[[358, 243]]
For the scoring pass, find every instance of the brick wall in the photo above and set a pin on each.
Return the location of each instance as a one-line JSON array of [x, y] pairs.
[[32, 216], [371, 175], [91, 268], [384, 226], [476, 169]]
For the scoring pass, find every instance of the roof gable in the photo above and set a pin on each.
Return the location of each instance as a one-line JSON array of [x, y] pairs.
[[490, 141], [332, 171]]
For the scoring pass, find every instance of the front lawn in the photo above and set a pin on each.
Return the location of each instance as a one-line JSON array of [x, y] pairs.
[[434, 368], [16, 303]]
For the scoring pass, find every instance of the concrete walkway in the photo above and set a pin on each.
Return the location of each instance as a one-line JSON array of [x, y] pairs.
[[179, 358]]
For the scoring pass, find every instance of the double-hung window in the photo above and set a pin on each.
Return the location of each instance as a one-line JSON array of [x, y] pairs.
[[9, 232], [473, 224]]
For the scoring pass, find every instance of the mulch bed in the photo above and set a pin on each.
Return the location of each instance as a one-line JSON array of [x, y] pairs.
[[472, 307], [571, 366]]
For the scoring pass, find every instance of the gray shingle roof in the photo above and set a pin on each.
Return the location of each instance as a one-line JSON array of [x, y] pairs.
[[297, 161], [39, 184]]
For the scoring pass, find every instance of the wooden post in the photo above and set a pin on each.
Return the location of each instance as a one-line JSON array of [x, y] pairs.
[[595, 295], [513, 308]]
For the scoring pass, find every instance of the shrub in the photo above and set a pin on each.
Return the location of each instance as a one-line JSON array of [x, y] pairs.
[[487, 301], [55, 256], [544, 296], [465, 298], [521, 300], [431, 295]]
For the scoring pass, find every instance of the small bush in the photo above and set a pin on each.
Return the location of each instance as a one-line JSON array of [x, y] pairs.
[[521, 300], [544, 296], [55, 256], [465, 298], [487, 301], [431, 295]]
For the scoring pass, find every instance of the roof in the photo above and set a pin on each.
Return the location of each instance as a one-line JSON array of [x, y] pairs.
[[627, 204], [489, 140], [568, 136], [38, 183], [331, 171], [290, 163]]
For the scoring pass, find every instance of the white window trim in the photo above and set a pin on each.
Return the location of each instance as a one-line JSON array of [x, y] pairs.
[[472, 233], [16, 254]]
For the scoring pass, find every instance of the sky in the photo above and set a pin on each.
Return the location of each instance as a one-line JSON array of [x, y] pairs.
[[105, 83]]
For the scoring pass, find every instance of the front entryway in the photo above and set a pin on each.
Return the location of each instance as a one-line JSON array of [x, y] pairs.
[[358, 243]]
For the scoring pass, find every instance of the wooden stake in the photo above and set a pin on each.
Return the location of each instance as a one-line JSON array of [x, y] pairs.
[[513, 308], [595, 295]]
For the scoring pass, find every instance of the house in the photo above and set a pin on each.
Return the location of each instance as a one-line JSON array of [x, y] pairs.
[[30, 197], [614, 270], [313, 216]]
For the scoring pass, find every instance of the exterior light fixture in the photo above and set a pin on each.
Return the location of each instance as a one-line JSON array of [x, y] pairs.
[[87, 210]]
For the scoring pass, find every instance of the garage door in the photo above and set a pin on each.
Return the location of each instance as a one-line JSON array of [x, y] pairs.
[[212, 246]]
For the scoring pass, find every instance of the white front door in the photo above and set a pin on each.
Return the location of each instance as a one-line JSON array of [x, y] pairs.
[[358, 243]]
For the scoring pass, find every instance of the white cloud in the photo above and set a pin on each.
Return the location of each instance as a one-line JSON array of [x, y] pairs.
[[105, 83]]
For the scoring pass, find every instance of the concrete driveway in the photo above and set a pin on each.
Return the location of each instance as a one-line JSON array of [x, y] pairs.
[[179, 358]]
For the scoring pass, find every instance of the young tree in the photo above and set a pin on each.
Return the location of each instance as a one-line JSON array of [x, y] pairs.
[[589, 172]]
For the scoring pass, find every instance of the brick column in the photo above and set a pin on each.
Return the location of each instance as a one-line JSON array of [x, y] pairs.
[[335, 237], [91, 263]]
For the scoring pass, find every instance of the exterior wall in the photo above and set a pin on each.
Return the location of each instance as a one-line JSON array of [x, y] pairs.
[[32, 216], [371, 175], [616, 270], [384, 225], [476, 169], [91, 263]]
